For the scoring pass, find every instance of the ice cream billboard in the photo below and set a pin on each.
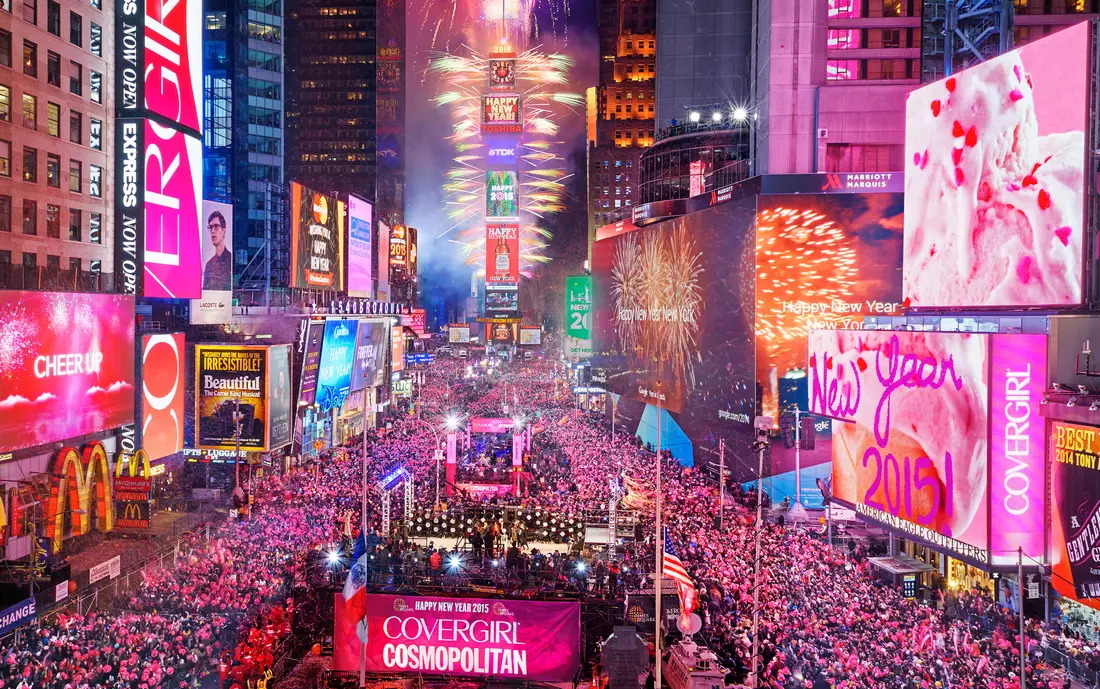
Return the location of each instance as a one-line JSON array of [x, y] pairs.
[[397, 348], [360, 281], [825, 261], [215, 307], [501, 252], [163, 383], [337, 357], [458, 333], [278, 397], [508, 639], [369, 368], [316, 239], [1075, 510], [937, 434], [501, 194], [500, 114], [995, 182], [67, 362], [230, 384], [311, 362], [530, 335]]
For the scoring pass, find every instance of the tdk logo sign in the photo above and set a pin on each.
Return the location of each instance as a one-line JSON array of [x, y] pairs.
[[501, 152]]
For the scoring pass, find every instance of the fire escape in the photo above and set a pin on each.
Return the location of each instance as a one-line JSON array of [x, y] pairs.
[[956, 34]]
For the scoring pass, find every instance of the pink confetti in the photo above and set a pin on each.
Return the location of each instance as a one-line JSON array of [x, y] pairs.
[[1063, 233], [957, 129], [1015, 95], [1012, 186], [1023, 269], [956, 155], [924, 160], [959, 177], [1030, 180], [1044, 199], [972, 137], [1016, 71]]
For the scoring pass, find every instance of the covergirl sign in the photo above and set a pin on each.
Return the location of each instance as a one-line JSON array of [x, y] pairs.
[[463, 636], [937, 433]]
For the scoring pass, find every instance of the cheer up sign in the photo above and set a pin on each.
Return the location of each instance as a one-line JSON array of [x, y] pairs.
[[938, 435]]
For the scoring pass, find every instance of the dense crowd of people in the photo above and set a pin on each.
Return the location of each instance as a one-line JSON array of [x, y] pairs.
[[824, 620]]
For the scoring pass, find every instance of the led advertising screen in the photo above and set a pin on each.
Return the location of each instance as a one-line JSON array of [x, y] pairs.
[[501, 194], [673, 322], [501, 253], [337, 356], [458, 333], [501, 300], [578, 316], [1075, 510], [360, 279], [413, 252], [937, 434], [311, 362], [530, 335], [995, 182], [417, 319], [163, 383], [501, 151], [501, 332], [824, 261], [513, 639], [397, 348], [172, 203], [67, 362], [502, 73], [316, 239], [501, 114], [369, 368], [278, 396], [230, 384], [216, 305], [383, 261], [399, 250], [163, 75]]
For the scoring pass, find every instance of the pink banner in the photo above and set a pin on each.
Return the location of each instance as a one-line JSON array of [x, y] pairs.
[[490, 425], [485, 490], [1016, 486], [173, 201], [463, 636]]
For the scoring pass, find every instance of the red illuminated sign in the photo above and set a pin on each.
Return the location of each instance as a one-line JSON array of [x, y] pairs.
[[173, 61], [162, 387], [501, 252], [500, 114]]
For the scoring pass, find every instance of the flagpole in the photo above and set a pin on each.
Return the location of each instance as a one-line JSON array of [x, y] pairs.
[[660, 548]]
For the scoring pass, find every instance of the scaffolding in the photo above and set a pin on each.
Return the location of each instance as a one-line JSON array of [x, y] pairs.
[[956, 34]]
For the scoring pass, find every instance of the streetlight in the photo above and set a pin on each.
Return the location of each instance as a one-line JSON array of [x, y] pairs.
[[740, 114], [693, 116]]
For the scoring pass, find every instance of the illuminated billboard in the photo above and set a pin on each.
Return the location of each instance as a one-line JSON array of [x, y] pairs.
[[163, 383], [501, 252], [501, 332], [383, 293], [937, 435], [311, 362], [501, 114], [413, 253], [397, 348], [508, 639], [1075, 510], [502, 73], [458, 333], [316, 239], [158, 187], [337, 356], [160, 73], [67, 363], [360, 276], [500, 300], [369, 368], [230, 383], [501, 194], [216, 305], [530, 335], [995, 182], [399, 250], [278, 396], [501, 151]]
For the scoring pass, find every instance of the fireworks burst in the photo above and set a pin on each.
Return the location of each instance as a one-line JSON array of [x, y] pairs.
[[541, 173]]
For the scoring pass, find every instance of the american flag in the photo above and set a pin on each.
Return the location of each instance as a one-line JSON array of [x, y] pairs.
[[674, 569]]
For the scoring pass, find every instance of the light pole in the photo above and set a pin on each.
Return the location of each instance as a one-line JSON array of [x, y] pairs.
[[659, 542], [763, 424]]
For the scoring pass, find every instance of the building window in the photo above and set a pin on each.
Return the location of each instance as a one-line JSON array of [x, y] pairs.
[[53, 264], [95, 134], [53, 170], [842, 70], [95, 85], [30, 216], [76, 29], [30, 59], [95, 266], [53, 17], [96, 4], [53, 119], [74, 176], [5, 104], [30, 111], [95, 40], [95, 181], [863, 157], [95, 221], [30, 164], [53, 69], [30, 262], [76, 128], [30, 11], [76, 78], [5, 158], [53, 221], [74, 224], [5, 48], [5, 213], [74, 265]]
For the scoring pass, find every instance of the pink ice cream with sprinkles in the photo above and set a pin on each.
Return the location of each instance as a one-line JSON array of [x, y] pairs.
[[994, 182]]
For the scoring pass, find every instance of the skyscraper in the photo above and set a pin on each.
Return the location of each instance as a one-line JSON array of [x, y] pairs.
[[243, 143], [623, 107]]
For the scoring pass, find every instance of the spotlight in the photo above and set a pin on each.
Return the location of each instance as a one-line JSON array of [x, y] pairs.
[[496, 563], [455, 562], [1072, 402], [716, 117], [740, 114], [693, 116], [581, 567], [452, 423], [333, 557]]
